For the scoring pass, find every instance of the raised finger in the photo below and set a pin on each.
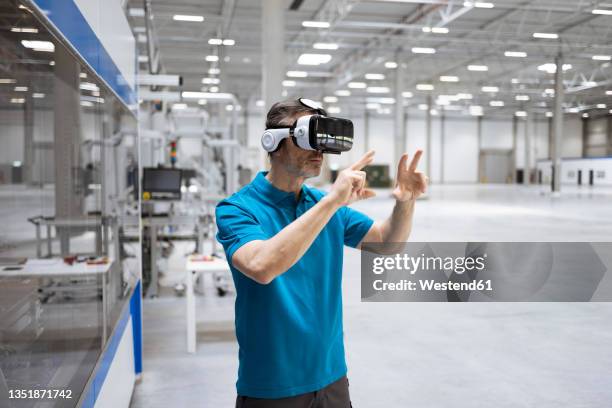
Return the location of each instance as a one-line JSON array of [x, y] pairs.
[[415, 160], [402, 163], [364, 161]]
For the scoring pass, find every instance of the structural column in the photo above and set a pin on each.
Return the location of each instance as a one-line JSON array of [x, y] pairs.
[[428, 136], [527, 166], [273, 50], [442, 143], [557, 139], [28, 139], [366, 130], [400, 117], [514, 137]]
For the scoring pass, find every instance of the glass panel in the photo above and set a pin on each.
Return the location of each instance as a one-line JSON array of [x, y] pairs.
[[69, 240]]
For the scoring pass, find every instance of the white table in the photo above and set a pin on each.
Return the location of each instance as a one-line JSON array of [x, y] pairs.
[[193, 269], [57, 268]]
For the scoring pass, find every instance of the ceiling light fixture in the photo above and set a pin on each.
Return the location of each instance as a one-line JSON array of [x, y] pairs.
[[297, 74], [314, 59], [391, 64], [490, 89], [325, 46], [315, 24], [407, 94], [449, 78], [215, 41], [229, 41], [520, 114], [24, 30], [497, 104], [602, 12], [372, 76], [212, 58], [522, 97], [330, 99], [548, 36], [357, 85], [515, 54], [602, 57], [343, 92], [423, 50], [288, 83], [478, 4], [435, 30], [425, 87], [478, 68], [377, 89], [189, 18], [46, 46]]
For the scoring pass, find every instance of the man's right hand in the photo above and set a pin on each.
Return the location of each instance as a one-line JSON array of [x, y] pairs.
[[350, 183]]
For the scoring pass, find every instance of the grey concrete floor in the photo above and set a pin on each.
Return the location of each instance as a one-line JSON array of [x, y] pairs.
[[424, 354]]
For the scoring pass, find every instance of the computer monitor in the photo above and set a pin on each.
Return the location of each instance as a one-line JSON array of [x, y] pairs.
[[161, 184]]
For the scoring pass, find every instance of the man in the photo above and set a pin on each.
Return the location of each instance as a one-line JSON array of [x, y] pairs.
[[284, 243]]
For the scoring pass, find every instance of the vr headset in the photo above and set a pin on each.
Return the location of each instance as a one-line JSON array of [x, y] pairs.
[[313, 132]]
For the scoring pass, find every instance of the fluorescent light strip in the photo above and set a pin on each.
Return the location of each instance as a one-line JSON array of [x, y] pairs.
[[377, 89], [549, 36], [407, 94], [425, 87], [373, 76], [435, 30], [35, 45], [24, 30], [229, 41], [602, 12], [315, 24], [391, 64], [289, 83], [478, 4], [449, 78], [7, 81], [325, 46], [423, 50], [490, 89], [478, 68], [343, 92], [602, 57], [330, 99], [497, 104], [357, 85], [186, 17], [215, 41], [212, 58], [297, 74], [515, 54], [314, 59]]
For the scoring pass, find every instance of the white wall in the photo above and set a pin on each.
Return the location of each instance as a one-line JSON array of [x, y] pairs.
[[461, 142]]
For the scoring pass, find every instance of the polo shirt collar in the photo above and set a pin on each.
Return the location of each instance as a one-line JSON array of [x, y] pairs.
[[267, 189]]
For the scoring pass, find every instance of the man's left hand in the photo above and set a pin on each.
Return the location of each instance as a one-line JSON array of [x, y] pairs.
[[410, 183]]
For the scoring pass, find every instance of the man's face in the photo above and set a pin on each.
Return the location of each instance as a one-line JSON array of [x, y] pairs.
[[298, 162]]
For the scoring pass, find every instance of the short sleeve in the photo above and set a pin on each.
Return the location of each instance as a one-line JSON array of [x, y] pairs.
[[356, 226], [236, 226]]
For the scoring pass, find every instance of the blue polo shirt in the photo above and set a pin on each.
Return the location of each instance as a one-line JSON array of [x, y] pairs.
[[289, 332]]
